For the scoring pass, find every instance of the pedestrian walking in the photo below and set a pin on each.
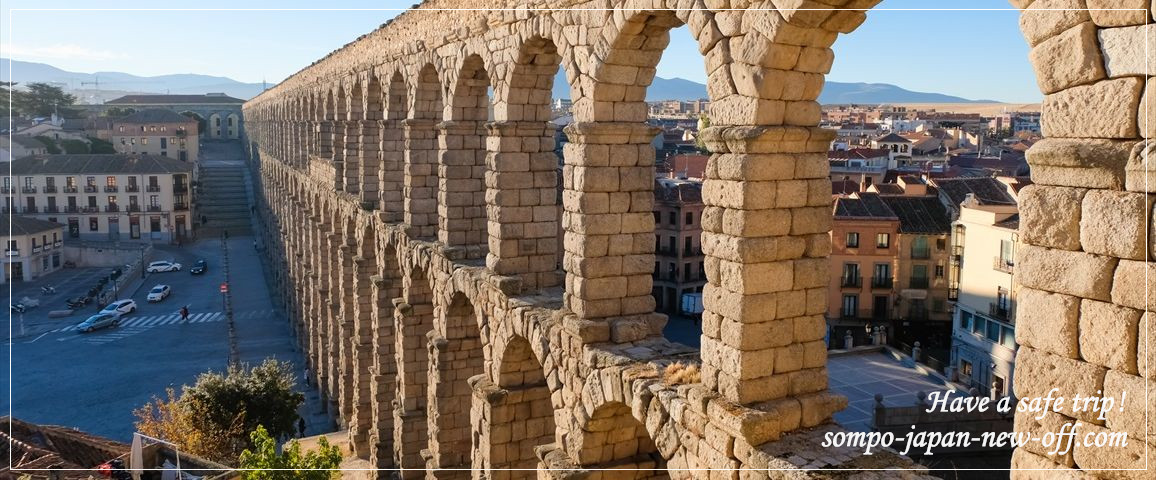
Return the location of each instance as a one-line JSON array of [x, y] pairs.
[[300, 426], [185, 313]]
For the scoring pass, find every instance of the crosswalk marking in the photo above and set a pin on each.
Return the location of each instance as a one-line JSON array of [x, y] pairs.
[[173, 319]]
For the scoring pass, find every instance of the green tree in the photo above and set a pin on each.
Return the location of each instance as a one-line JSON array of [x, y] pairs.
[[264, 463], [7, 98], [74, 146], [201, 122], [100, 146], [119, 112], [262, 395], [49, 144], [175, 420], [42, 100]]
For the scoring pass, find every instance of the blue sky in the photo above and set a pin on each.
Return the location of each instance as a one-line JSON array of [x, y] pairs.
[[972, 54]]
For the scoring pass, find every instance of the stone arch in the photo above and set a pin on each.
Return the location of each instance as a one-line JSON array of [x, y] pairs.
[[413, 321], [233, 124], [520, 415], [455, 355], [612, 438], [421, 149], [462, 160], [214, 125]]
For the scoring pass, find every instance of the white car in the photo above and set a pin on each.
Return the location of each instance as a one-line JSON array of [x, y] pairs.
[[120, 307], [159, 292], [163, 266]]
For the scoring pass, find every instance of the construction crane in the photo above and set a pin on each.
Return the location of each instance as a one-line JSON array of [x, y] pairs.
[[95, 81]]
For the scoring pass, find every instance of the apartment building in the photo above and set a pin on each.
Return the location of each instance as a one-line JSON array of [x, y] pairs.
[[33, 249], [105, 197], [983, 346], [157, 132], [678, 262], [889, 263]]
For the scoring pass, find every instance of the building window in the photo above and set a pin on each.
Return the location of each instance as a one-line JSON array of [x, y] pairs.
[[93, 224], [154, 201], [673, 218], [110, 181], [91, 201], [1008, 337], [850, 274], [852, 239], [144, 140], [850, 305], [686, 272], [979, 325], [939, 270], [154, 224], [671, 244], [940, 244], [882, 240], [993, 331], [657, 217], [1006, 252], [687, 246], [689, 218], [965, 368], [965, 320], [91, 181]]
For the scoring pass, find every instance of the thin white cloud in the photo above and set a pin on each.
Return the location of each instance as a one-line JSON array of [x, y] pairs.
[[57, 51]]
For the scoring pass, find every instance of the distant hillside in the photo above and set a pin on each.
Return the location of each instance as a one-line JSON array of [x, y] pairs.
[[26, 72], [833, 92], [113, 84]]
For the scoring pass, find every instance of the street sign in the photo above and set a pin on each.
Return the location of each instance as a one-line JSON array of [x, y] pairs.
[[224, 288]]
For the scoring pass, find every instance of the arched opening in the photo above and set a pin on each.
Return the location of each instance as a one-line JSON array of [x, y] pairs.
[[233, 124], [370, 144], [383, 386], [392, 148], [455, 355], [613, 439], [421, 149], [413, 320], [462, 161], [215, 125], [524, 161], [365, 267], [524, 418]]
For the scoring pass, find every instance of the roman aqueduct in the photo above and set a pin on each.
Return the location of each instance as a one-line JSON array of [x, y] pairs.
[[457, 319]]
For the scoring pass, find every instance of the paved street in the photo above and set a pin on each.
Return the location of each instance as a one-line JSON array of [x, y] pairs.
[[94, 381]]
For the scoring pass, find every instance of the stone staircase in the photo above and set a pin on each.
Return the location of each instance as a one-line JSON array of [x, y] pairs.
[[223, 200]]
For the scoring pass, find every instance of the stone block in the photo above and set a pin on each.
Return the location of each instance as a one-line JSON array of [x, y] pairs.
[[1073, 273], [1146, 346], [1048, 322], [1046, 18], [1147, 113], [1130, 287], [1113, 223], [1050, 216], [1132, 456], [1068, 59], [1118, 13], [1108, 335], [1124, 48], [1050, 422], [1038, 372], [1105, 109], [1029, 466], [1133, 397], [1088, 163]]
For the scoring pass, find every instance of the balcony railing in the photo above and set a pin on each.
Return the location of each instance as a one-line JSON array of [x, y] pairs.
[[71, 209], [58, 243], [112, 208], [132, 188], [918, 282], [90, 209], [5, 189], [921, 253], [153, 188], [852, 281], [111, 189], [180, 206], [882, 282], [51, 209], [180, 187], [90, 189], [28, 189], [50, 189], [154, 208], [1005, 265], [35, 249], [31, 209], [1000, 312], [12, 253], [133, 208], [71, 189], [692, 252]]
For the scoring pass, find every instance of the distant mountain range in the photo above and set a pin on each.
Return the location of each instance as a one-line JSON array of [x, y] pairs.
[[115, 84]]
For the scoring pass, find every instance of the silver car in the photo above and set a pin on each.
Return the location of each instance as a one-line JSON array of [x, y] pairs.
[[97, 321], [163, 266]]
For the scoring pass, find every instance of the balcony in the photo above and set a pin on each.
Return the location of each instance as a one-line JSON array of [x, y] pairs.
[[28, 189], [35, 249], [31, 209], [112, 208], [180, 206], [58, 243], [5, 189], [882, 282], [71, 189], [918, 282], [111, 189], [692, 252], [153, 188], [920, 253], [999, 312], [90, 209], [12, 253], [1005, 265], [180, 187], [50, 189], [90, 189], [133, 208], [51, 209], [132, 188], [851, 281], [154, 208], [71, 209]]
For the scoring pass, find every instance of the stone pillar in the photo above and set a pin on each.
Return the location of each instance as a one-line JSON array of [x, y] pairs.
[[765, 237], [345, 328], [392, 170], [351, 161], [609, 221], [522, 198], [413, 316], [370, 164], [383, 386], [461, 194], [420, 181], [361, 344]]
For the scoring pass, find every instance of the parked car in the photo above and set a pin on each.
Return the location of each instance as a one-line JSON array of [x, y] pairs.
[[99, 320], [120, 307], [159, 292], [78, 302], [164, 266], [199, 267]]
